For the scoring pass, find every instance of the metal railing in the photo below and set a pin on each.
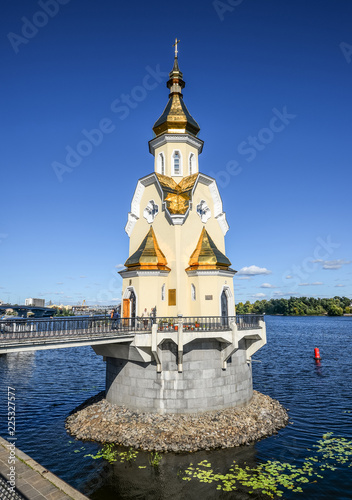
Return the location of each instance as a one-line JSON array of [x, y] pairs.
[[21, 329], [69, 327], [209, 323], [249, 321]]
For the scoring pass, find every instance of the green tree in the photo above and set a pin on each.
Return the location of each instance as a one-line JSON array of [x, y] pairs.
[[335, 310]]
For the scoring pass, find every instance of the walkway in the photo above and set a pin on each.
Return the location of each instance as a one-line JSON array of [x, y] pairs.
[[33, 482], [36, 334]]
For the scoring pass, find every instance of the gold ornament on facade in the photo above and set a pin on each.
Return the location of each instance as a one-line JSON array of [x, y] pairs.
[[177, 196]]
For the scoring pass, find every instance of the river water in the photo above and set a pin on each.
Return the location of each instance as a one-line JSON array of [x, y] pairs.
[[50, 384]]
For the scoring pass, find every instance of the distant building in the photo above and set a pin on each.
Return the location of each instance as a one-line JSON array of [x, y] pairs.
[[35, 302]]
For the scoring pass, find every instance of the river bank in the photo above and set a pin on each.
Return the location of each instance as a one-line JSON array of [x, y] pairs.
[[98, 420]]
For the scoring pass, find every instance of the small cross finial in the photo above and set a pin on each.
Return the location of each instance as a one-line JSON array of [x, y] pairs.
[[176, 46]]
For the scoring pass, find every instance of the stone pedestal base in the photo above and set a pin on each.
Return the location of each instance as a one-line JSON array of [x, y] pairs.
[[202, 386]]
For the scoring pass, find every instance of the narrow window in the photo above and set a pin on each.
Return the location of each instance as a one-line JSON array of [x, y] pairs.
[[191, 163], [193, 292], [177, 169], [161, 164], [163, 292]]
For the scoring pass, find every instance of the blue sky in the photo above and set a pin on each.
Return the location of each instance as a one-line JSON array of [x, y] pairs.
[[268, 82]]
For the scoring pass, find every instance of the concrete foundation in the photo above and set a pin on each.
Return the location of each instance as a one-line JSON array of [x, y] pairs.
[[203, 384]]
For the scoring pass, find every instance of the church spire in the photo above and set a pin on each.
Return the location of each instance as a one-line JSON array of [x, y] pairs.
[[176, 118]]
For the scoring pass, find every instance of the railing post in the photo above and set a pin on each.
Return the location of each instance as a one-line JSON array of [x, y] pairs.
[[180, 343], [155, 349]]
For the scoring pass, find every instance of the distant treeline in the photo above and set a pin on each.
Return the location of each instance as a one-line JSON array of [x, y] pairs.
[[298, 306]]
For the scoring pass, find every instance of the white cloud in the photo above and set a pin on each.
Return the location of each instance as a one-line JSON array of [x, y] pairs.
[[83, 277], [267, 285], [316, 283], [253, 271], [59, 283], [243, 278], [289, 277], [259, 295], [119, 266], [332, 264], [340, 285]]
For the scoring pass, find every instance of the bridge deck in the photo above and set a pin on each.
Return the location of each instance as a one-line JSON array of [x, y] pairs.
[[37, 334]]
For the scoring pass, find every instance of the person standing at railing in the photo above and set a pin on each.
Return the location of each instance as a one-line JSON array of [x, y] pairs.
[[115, 316], [145, 318], [153, 315]]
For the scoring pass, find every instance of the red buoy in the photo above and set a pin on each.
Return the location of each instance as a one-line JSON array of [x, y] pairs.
[[316, 353]]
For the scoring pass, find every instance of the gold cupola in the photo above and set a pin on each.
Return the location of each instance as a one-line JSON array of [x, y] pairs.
[[207, 256], [148, 256], [176, 118]]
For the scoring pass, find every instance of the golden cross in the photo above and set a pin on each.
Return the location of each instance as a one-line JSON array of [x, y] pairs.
[[175, 45]]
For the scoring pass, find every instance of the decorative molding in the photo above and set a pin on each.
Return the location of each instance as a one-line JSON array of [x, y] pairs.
[[192, 164], [175, 219], [134, 214], [203, 211], [134, 274], [221, 218], [151, 211], [212, 272], [219, 215], [230, 300], [157, 142], [160, 159], [131, 222]]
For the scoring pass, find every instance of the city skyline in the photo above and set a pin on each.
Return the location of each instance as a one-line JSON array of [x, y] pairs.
[[270, 89]]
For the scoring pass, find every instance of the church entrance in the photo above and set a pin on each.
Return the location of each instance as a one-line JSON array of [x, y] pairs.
[[224, 308], [129, 308]]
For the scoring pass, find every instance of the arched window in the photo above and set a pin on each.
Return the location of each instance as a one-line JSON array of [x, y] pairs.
[[193, 292], [163, 292], [191, 163], [177, 163], [161, 164]]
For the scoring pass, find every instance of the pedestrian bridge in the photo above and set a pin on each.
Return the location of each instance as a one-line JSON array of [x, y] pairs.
[[55, 333]]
